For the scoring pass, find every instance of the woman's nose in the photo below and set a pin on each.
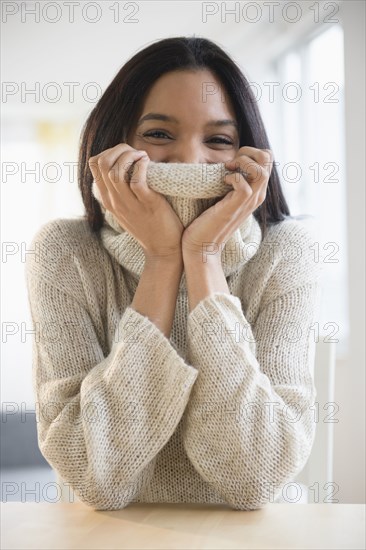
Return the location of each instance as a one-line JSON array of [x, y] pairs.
[[189, 154]]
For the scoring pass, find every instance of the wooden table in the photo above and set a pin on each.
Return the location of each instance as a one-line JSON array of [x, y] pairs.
[[184, 526]]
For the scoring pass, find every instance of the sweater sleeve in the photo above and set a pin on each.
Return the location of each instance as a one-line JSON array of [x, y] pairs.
[[102, 420], [249, 425]]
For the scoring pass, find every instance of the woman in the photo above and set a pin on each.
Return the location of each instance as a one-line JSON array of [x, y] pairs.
[[175, 376]]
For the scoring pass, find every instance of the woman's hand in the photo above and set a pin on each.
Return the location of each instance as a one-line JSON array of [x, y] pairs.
[[216, 225], [144, 213]]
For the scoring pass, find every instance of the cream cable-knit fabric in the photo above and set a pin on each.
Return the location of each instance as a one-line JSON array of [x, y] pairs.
[[219, 413]]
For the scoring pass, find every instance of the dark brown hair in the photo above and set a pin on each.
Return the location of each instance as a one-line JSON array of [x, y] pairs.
[[115, 113]]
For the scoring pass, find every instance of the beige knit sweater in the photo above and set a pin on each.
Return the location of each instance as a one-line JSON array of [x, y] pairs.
[[220, 412]]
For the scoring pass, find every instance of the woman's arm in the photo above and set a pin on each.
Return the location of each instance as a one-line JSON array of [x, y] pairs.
[[148, 217], [156, 294], [203, 278], [204, 272], [102, 418], [249, 424]]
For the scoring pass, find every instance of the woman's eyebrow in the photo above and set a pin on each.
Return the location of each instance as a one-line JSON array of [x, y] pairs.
[[157, 116], [223, 122], [166, 118]]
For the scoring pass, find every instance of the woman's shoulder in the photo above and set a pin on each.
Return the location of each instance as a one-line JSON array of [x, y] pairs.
[[300, 230], [60, 246], [289, 253], [64, 228], [296, 237]]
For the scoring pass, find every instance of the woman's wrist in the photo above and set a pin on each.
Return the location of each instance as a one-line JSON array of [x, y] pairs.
[[174, 260], [204, 276], [204, 259]]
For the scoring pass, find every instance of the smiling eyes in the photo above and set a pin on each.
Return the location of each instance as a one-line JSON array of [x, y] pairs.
[[153, 133]]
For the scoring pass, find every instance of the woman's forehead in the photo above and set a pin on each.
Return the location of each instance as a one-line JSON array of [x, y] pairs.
[[180, 91]]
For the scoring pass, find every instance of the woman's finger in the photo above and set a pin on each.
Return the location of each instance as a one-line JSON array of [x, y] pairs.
[[138, 183], [247, 168], [112, 153], [106, 159], [264, 157], [121, 171], [102, 162], [110, 170], [252, 178], [257, 174]]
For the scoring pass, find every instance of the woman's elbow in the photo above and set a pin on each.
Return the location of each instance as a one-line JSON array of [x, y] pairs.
[[103, 499]]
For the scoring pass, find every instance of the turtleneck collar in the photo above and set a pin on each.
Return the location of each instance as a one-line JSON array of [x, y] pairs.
[[190, 189]]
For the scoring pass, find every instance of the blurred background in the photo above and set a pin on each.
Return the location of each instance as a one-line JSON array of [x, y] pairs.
[[305, 62]]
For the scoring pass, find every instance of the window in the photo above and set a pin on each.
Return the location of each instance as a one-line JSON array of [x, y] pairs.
[[302, 104], [303, 110]]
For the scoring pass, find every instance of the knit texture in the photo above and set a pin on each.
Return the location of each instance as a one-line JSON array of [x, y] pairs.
[[219, 413], [190, 189]]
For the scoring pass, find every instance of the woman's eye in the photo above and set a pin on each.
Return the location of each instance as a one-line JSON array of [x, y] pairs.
[[160, 134], [222, 140], [153, 134]]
